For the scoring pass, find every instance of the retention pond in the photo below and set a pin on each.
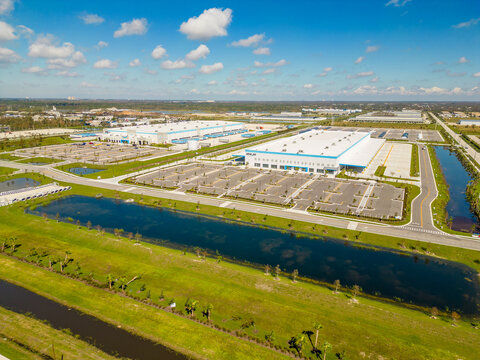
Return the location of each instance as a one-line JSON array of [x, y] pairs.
[[17, 183], [458, 207], [417, 279], [108, 338]]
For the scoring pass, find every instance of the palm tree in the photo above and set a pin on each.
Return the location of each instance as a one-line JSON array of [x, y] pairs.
[[294, 275], [208, 311], [270, 337], [356, 290], [191, 306], [122, 284], [277, 272], [317, 327], [298, 342], [110, 281], [138, 237], [337, 285], [267, 269], [455, 317], [326, 346]]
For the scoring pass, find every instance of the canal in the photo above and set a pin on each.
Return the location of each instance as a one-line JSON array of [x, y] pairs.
[[457, 178], [105, 336], [417, 279]]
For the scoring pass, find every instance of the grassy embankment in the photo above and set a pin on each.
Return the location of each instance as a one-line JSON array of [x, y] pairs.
[[380, 170], [23, 337], [6, 171], [125, 168], [414, 165], [10, 157], [238, 293]]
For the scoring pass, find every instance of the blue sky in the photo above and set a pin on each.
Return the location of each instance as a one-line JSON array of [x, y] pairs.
[[241, 50]]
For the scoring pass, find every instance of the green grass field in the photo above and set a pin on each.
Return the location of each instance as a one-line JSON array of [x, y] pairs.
[[236, 292], [414, 165], [6, 171]]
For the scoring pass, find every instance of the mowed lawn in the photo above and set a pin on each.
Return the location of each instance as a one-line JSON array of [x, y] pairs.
[[237, 293]]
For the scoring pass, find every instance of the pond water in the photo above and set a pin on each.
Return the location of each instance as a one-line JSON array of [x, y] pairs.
[[107, 337], [83, 170], [457, 178], [17, 183], [415, 279]]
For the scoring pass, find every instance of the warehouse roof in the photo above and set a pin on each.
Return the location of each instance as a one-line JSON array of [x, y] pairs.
[[176, 127], [318, 143]]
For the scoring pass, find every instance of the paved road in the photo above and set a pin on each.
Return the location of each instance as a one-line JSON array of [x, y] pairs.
[[413, 233], [421, 209], [466, 146]]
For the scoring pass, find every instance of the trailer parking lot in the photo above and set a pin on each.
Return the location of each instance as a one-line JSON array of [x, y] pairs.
[[300, 191], [93, 153]]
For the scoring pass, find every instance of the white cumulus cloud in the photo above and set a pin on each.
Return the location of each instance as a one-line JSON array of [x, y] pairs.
[[6, 6], [210, 69], [92, 19], [269, 64], [7, 32], [308, 86], [101, 44], [60, 63], [262, 51], [134, 27], [177, 64], [463, 60], [105, 64], [159, 52], [134, 63], [211, 23], [87, 84], [32, 70], [253, 40], [476, 74], [44, 47], [212, 83], [8, 56], [201, 52]]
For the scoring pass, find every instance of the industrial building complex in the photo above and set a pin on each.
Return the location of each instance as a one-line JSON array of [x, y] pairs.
[[179, 132], [405, 116], [316, 151]]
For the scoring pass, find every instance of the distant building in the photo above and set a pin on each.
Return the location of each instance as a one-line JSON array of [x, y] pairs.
[[466, 122], [404, 116], [179, 132]]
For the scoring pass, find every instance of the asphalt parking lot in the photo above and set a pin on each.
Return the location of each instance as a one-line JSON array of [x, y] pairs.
[[300, 191], [396, 134], [93, 153]]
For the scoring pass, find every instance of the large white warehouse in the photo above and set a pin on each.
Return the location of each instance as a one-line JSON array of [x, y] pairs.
[[316, 151], [179, 132]]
